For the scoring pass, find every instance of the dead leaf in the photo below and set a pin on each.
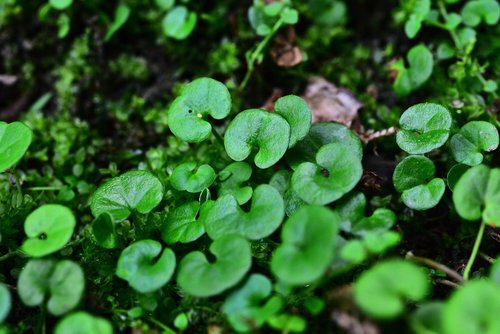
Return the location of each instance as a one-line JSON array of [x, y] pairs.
[[7, 79], [285, 52], [269, 104]]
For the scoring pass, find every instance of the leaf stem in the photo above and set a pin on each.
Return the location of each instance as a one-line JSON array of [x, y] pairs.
[[218, 136], [475, 250], [8, 255], [166, 329], [436, 265], [48, 188]]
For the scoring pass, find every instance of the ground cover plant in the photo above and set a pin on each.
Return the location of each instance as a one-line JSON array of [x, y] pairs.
[[249, 166]]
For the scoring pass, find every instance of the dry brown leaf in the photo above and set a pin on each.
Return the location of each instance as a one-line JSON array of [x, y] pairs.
[[285, 52]]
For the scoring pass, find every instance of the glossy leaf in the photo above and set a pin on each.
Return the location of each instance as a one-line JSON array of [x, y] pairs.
[[103, 228], [200, 278], [264, 217], [179, 23], [472, 139], [83, 323], [181, 224], [382, 291], [231, 180], [298, 115], [256, 128], [5, 302], [142, 266], [410, 78], [188, 114], [119, 196], [15, 138], [424, 127], [477, 195], [189, 177], [336, 171], [48, 228], [308, 241], [476, 11]]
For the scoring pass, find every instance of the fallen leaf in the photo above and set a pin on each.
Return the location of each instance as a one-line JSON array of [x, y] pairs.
[[285, 52]]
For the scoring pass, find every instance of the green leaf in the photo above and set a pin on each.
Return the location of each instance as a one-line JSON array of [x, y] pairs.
[[454, 174], [142, 266], [298, 115], [473, 309], [63, 281], [289, 16], [424, 127], [336, 171], [179, 23], [60, 4], [5, 302], [231, 179], [427, 318], [281, 180], [122, 14], [181, 224], [15, 138], [410, 78], [472, 139], [419, 12], [103, 228], [264, 217], [476, 11], [383, 290], [188, 113], [288, 323], [83, 323], [477, 195], [254, 128], [48, 228], [308, 242], [165, 4], [119, 196], [63, 23], [200, 278], [414, 178], [191, 178]]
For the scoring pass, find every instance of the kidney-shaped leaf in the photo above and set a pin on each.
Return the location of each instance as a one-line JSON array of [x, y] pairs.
[[414, 178], [189, 177], [336, 171], [254, 128], [298, 115], [265, 216], [142, 266], [48, 228], [477, 194], [308, 241], [203, 97], [179, 23], [424, 127], [383, 290], [5, 302], [481, 10], [134, 190], [60, 4], [410, 78], [14, 141], [200, 278], [472, 139], [83, 323], [231, 179], [103, 228], [181, 224]]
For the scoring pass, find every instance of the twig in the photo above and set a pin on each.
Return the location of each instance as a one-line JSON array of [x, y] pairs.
[[486, 257], [436, 265], [446, 282]]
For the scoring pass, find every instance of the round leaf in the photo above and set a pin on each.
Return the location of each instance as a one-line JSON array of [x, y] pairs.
[[189, 177], [472, 139], [298, 115], [5, 302], [83, 323], [15, 138], [419, 71], [200, 278], [142, 266], [179, 23], [382, 291], [424, 127], [307, 248], [187, 116], [264, 217], [231, 179], [134, 190], [336, 172], [60, 4], [181, 224], [104, 232], [48, 228], [257, 128], [481, 10]]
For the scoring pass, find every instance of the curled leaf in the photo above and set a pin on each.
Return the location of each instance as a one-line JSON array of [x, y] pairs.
[[103, 228], [298, 115], [189, 177], [231, 179]]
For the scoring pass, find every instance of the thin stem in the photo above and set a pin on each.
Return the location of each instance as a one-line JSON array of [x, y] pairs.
[[8, 255], [166, 329], [436, 265], [486, 257], [475, 250], [218, 136], [446, 282], [444, 13], [45, 188]]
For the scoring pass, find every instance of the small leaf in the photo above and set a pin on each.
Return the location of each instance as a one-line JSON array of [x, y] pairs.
[[308, 241], [289, 16], [119, 196], [281, 180], [165, 4], [48, 228], [179, 23], [424, 127], [193, 179], [288, 323], [454, 174], [122, 14], [15, 138], [298, 115], [481, 10], [254, 128], [60, 4], [264, 217], [201, 98], [472, 139], [83, 323], [103, 228], [5, 302], [419, 71], [181, 224], [336, 171], [382, 291], [231, 179], [200, 278], [142, 266]]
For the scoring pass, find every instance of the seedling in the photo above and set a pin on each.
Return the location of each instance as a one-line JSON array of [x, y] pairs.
[[182, 225], [189, 177], [472, 139], [383, 290], [63, 281], [200, 278], [142, 266], [5, 302], [83, 323], [48, 228], [420, 67], [231, 179], [264, 16], [15, 138], [414, 178]]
